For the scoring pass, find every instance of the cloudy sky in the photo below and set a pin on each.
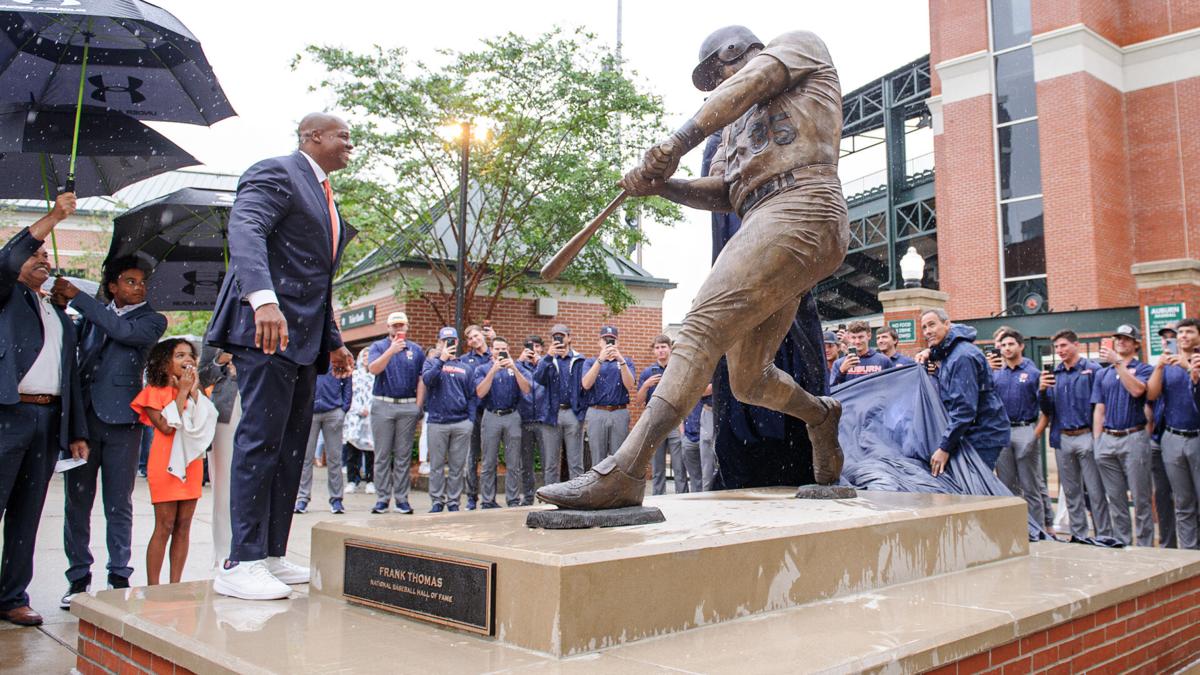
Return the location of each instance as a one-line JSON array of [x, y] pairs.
[[251, 44]]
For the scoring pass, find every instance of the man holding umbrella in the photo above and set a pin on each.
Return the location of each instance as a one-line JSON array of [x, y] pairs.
[[275, 315], [41, 411]]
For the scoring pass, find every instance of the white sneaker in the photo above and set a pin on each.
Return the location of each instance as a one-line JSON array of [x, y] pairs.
[[250, 580], [286, 571], [370, 488], [423, 470], [351, 488]]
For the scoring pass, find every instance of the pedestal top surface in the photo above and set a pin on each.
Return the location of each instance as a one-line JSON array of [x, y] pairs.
[[692, 521]]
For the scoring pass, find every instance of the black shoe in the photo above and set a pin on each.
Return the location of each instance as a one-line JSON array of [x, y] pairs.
[[77, 587], [117, 581]]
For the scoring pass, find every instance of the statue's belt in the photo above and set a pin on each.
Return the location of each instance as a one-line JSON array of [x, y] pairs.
[[781, 181]]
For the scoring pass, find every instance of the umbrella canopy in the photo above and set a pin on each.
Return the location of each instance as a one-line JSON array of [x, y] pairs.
[[140, 60], [115, 151], [181, 238]]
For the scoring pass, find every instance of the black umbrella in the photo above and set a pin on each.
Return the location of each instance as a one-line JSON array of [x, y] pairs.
[[181, 238], [115, 151], [123, 55]]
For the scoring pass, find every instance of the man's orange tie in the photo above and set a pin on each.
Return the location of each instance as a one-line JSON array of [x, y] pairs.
[[333, 215]]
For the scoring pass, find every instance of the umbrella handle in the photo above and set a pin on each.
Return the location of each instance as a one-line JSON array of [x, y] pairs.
[[87, 43]]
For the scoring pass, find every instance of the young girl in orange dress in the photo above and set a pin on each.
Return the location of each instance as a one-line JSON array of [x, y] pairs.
[[170, 378]]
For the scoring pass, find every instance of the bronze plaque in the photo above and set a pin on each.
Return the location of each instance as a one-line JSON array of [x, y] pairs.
[[427, 585]]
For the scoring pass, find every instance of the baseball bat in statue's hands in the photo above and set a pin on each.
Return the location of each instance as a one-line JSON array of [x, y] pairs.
[[572, 248]]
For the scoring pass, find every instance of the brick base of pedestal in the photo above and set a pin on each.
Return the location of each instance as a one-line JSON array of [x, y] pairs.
[[102, 653], [1154, 633]]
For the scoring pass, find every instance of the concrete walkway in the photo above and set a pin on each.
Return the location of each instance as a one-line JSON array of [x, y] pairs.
[[51, 647]]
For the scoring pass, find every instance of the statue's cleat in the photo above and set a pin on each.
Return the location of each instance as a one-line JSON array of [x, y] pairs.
[[827, 453], [604, 486]]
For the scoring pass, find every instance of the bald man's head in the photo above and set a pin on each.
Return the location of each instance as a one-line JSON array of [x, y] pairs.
[[325, 138]]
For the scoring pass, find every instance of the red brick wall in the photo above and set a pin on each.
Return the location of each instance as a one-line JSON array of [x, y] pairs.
[[1155, 633], [1164, 171], [102, 653], [1085, 192], [966, 204], [956, 28], [1147, 19], [1103, 16]]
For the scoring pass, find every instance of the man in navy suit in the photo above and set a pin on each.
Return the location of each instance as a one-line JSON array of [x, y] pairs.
[[275, 315], [41, 412], [114, 341]]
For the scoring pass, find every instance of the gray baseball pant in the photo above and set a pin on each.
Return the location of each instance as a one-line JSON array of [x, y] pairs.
[[1124, 463], [569, 432], [1181, 457], [393, 426], [328, 424], [1020, 468], [606, 430], [493, 430], [448, 448], [1079, 476]]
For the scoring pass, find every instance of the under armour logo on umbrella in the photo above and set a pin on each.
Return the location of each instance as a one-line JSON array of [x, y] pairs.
[[199, 278], [102, 90]]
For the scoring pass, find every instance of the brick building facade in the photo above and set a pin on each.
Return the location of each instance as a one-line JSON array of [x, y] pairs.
[[1067, 145]]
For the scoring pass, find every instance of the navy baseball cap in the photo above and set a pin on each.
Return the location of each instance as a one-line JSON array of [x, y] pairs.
[[448, 333], [608, 331], [831, 338]]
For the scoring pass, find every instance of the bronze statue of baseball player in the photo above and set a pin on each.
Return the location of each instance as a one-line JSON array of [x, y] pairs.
[[779, 107]]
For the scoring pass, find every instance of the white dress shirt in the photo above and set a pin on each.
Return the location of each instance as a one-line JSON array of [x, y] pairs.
[[267, 296], [45, 376]]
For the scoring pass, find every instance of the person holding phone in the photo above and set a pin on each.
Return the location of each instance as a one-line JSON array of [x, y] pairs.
[[447, 378], [532, 354], [476, 354], [606, 382], [1020, 464], [500, 386], [1173, 382], [397, 364], [1065, 397], [565, 407], [860, 360], [1122, 441], [673, 443]]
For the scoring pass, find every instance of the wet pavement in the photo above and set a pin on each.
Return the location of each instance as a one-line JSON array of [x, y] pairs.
[[50, 648]]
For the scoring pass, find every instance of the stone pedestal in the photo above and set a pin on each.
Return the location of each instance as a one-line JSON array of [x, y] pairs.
[[719, 556], [816, 584]]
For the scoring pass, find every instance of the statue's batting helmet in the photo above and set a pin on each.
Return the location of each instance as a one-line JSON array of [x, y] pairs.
[[724, 45]]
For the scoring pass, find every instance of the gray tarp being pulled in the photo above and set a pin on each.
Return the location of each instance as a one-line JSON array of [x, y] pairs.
[[891, 424]]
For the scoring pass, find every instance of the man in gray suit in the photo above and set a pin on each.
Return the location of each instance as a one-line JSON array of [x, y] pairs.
[[114, 340]]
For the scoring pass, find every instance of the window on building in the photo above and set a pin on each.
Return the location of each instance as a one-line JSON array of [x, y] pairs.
[[1018, 159], [1012, 23], [1024, 243], [1016, 96]]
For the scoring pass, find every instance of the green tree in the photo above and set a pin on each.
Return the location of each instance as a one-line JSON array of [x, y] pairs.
[[565, 122]]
